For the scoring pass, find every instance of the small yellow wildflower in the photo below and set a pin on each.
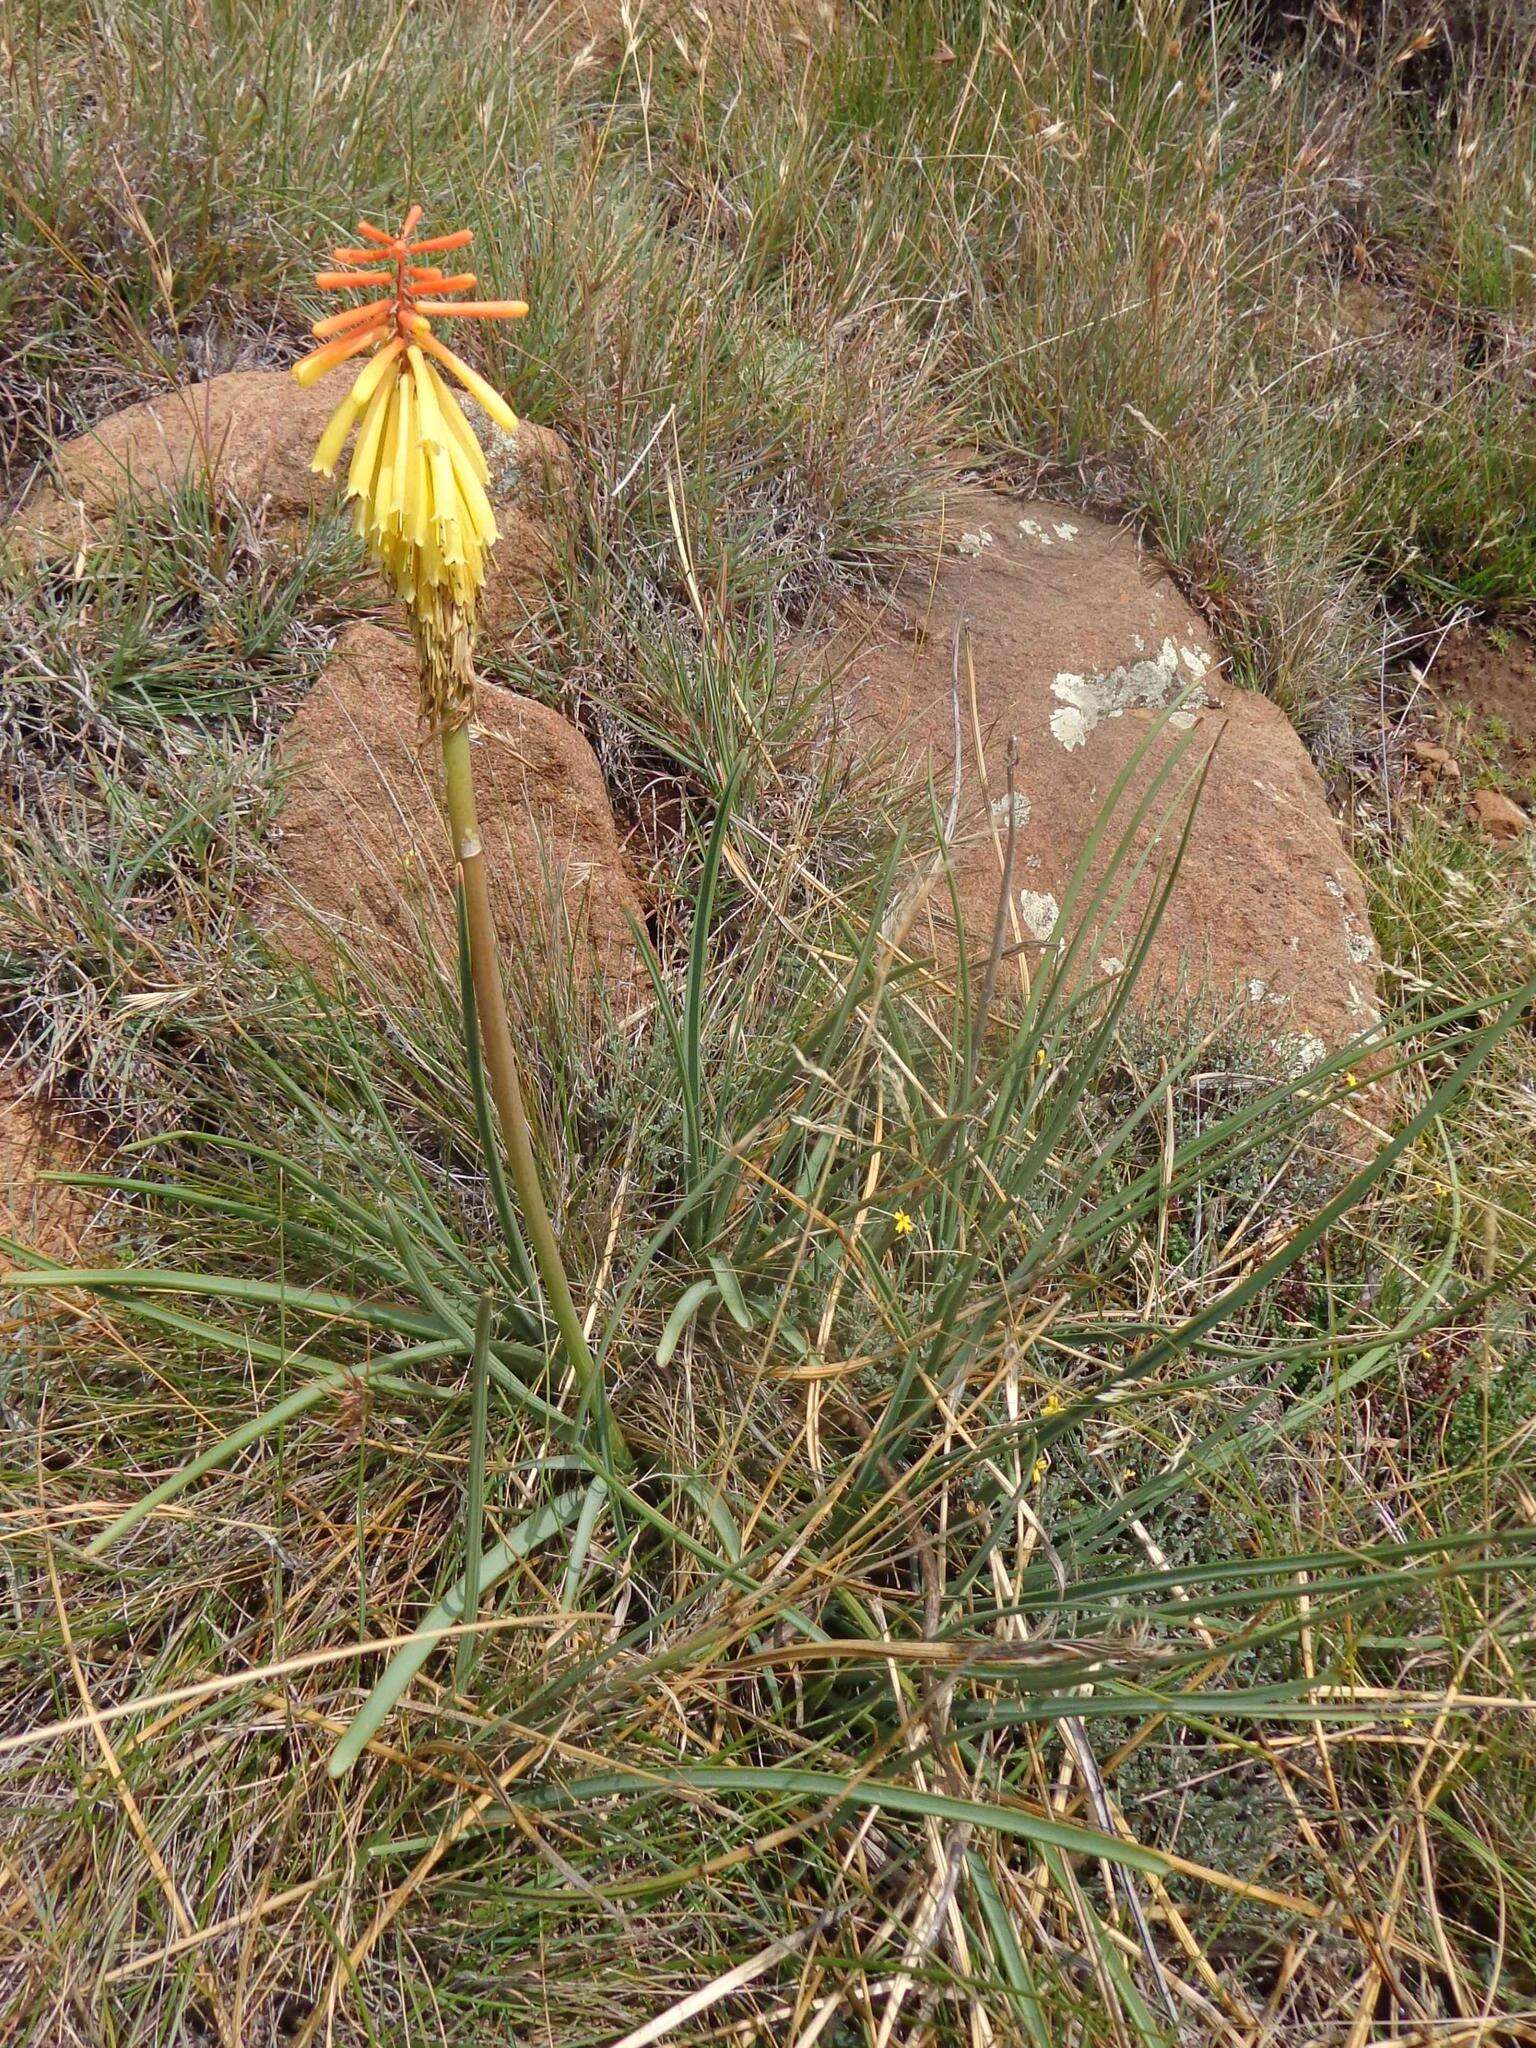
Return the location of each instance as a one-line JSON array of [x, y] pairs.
[[901, 1222], [1041, 1466], [1053, 1405]]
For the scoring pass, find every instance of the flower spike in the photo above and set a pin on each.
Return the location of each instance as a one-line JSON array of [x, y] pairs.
[[417, 476]]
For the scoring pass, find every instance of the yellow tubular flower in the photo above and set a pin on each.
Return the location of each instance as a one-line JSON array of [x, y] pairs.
[[417, 478], [460, 430]]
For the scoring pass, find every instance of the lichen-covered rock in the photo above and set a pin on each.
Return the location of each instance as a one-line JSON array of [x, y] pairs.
[[1049, 632], [362, 854]]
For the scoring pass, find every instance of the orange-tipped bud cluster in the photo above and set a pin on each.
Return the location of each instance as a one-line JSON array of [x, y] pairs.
[[417, 478], [416, 295]]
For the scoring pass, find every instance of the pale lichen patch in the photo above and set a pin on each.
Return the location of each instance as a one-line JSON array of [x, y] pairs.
[[1301, 1051], [1359, 945], [1033, 530], [1039, 913], [1019, 806], [1150, 683]]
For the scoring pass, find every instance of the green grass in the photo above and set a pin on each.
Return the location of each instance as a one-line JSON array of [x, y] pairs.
[[139, 782], [1147, 1487]]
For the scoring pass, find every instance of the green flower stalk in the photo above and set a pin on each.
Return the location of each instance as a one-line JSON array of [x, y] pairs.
[[417, 486]]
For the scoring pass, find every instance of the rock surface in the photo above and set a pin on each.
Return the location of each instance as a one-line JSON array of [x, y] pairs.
[[1083, 651], [1484, 684], [1499, 815], [252, 433], [48, 1217], [362, 850]]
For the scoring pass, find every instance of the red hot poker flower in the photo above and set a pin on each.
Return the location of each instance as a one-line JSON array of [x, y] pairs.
[[417, 480]]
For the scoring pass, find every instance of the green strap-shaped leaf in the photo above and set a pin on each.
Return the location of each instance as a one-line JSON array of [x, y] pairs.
[[879, 1792], [406, 1662], [692, 1300]]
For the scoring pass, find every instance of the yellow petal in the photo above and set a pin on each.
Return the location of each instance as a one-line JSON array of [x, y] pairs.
[[426, 395], [460, 432], [334, 439], [431, 562], [369, 377], [483, 394], [481, 517], [445, 493], [416, 504], [372, 437], [311, 368], [434, 438], [400, 450]]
